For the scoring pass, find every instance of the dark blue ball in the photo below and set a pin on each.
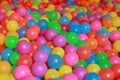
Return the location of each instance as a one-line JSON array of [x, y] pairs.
[[31, 22], [64, 20], [43, 24], [22, 32]]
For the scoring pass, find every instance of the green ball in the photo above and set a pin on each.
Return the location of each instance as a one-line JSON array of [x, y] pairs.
[[14, 57], [72, 38], [101, 56], [7, 7], [52, 15], [81, 63], [11, 41], [104, 64], [81, 43], [64, 33], [117, 6], [36, 15]]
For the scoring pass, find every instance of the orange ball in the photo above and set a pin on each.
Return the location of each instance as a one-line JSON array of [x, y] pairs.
[[111, 52], [5, 67], [110, 5], [107, 22]]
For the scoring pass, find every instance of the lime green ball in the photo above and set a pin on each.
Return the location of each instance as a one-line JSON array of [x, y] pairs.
[[117, 6], [104, 63], [8, 8], [101, 56], [81, 63], [52, 15], [36, 3], [11, 41], [81, 43], [36, 15]]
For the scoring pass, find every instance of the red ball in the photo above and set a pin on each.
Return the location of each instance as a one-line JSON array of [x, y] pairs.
[[35, 46], [3, 30], [65, 27], [74, 14], [3, 9], [4, 21], [98, 50], [15, 16], [92, 34]]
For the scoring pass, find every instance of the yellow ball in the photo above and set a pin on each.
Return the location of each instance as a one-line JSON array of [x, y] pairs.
[[64, 69], [68, 15], [12, 25], [2, 39], [52, 73], [116, 45], [44, 17], [93, 68], [116, 21], [51, 7], [24, 39], [4, 77], [59, 51], [113, 14], [12, 33], [112, 29], [12, 77]]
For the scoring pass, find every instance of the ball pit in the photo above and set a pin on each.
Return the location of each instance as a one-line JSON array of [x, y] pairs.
[[59, 39]]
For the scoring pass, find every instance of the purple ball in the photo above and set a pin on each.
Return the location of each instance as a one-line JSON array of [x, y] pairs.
[[39, 69], [50, 34], [91, 18], [98, 15], [70, 48], [80, 72], [59, 40], [41, 40], [40, 56], [24, 47]]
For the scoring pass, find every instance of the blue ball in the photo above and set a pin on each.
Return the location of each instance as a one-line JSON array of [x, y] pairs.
[[92, 59], [85, 28], [64, 20], [73, 23], [29, 11], [79, 15], [22, 32], [43, 24], [105, 32], [6, 54], [31, 22], [76, 29], [55, 61], [46, 49], [92, 76]]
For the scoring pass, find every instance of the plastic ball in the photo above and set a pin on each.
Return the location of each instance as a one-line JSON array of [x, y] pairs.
[[116, 21], [2, 39], [93, 68], [75, 28], [28, 17], [101, 56], [92, 76], [52, 15], [22, 32], [11, 41], [23, 47], [92, 34], [71, 59], [116, 45], [70, 76], [22, 11], [114, 35], [43, 24], [96, 25], [85, 28], [52, 73], [92, 59], [21, 71], [55, 61], [81, 63], [111, 52], [15, 16], [29, 78], [31, 22], [104, 64], [64, 20], [12, 25], [107, 22], [39, 69], [46, 49], [83, 37], [70, 48], [80, 72], [114, 59], [105, 32], [12, 33], [36, 14], [5, 67], [41, 40], [4, 77], [65, 27], [80, 15], [59, 40]]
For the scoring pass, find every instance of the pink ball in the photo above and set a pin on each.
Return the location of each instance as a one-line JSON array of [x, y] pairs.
[[21, 71], [41, 40], [39, 69], [96, 25], [70, 76], [22, 11], [29, 78], [80, 72], [59, 40], [50, 34], [15, 16], [70, 48], [83, 37], [28, 17], [40, 56], [114, 59], [107, 46], [23, 47], [71, 59], [114, 35]]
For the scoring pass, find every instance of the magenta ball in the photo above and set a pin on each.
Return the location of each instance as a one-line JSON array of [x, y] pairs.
[[39, 69], [83, 37], [70, 48], [114, 35], [96, 25], [114, 59], [70, 76], [98, 15], [59, 40], [71, 59], [21, 71], [91, 18], [40, 56], [107, 46], [41, 40], [50, 34], [24, 47], [80, 72], [22, 11], [28, 17], [29, 78]]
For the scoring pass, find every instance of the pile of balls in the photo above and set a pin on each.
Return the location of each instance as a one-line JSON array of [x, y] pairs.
[[59, 39]]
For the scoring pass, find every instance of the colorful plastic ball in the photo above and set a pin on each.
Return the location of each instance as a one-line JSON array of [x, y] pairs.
[[107, 22], [75, 28], [52, 15], [111, 52], [2, 39], [104, 63], [83, 52], [59, 40], [64, 69], [12, 25], [11, 41], [80, 15], [4, 77], [36, 14], [93, 68], [46, 49], [5, 67], [80, 72], [92, 59], [65, 27], [28, 17], [108, 46], [83, 37], [31, 22], [92, 76], [71, 59], [29, 78], [114, 35], [43, 24], [85, 28], [105, 32], [39, 69], [52, 73], [64, 20], [72, 38], [81, 63], [72, 23], [92, 34], [96, 25], [22, 32], [116, 45], [106, 74], [6, 54], [55, 61], [15, 16], [41, 40], [101, 56], [23, 47], [22, 11], [21, 71], [114, 59], [70, 48], [25, 60], [116, 21], [12, 33], [70, 76]]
